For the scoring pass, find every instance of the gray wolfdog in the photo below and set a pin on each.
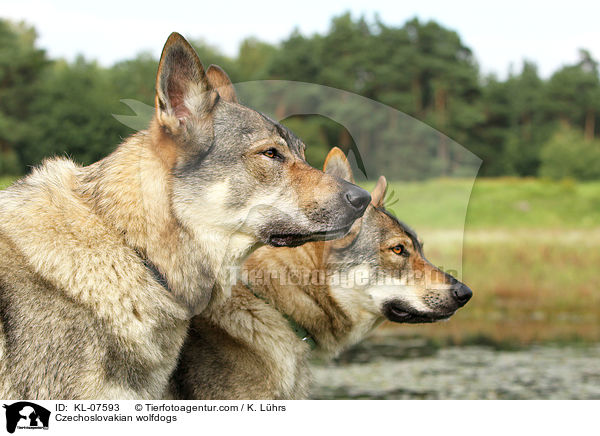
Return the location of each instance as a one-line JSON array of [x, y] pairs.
[[323, 295], [101, 267]]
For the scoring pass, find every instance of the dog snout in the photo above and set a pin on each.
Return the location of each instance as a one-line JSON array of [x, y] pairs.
[[461, 293], [357, 198]]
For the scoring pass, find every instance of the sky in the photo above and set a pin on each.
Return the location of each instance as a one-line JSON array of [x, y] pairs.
[[501, 34]]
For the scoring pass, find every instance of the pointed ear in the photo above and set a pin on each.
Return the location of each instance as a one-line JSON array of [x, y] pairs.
[[378, 193], [337, 165], [219, 81], [182, 89]]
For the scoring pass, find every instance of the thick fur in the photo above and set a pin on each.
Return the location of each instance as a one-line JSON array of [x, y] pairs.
[[338, 291], [101, 267], [82, 317]]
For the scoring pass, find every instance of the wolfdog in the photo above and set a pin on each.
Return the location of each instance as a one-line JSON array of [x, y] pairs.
[[103, 266], [323, 295]]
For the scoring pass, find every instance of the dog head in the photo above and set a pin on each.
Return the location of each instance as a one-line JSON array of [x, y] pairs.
[[234, 169], [380, 268]]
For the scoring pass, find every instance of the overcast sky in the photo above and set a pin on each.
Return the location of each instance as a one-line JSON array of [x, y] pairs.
[[500, 33]]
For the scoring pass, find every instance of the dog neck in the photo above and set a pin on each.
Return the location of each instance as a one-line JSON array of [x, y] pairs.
[[130, 190], [298, 330], [295, 284]]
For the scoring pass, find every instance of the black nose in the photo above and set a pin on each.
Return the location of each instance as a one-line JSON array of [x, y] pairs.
[[461, 293], [358, 198]]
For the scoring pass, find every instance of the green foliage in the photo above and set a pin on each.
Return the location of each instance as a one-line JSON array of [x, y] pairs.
[[211, 55], [134, 79], [320, 134], [573, 94], [254, 59], [72, 114], [420, 68], [21, 67], [569, 154], [310, 129]]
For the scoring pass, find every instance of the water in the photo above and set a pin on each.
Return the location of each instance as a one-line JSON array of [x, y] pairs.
[[399, 368]]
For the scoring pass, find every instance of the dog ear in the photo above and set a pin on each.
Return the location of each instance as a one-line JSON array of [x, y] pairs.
[[219, 81], [337, 165], [378, 193], [182, 89]]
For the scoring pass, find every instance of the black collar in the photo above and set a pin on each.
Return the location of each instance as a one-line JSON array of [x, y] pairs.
[[154, 271]]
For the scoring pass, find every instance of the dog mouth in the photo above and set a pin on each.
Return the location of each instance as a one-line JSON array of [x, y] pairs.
[[296, 239], [399, 312]]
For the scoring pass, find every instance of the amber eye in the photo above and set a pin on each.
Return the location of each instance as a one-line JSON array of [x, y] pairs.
[[270, 153], [398, 249]]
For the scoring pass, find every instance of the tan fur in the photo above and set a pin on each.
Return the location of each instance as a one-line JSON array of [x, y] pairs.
[[78, 227]]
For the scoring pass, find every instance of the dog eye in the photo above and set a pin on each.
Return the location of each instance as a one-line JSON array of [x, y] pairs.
[[271, 153], [399, 250]]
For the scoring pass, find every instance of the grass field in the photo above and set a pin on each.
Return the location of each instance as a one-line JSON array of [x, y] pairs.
[[530, 252], [505, 203]]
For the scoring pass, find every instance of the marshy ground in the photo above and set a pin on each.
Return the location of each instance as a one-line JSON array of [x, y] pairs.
[[394, 367]]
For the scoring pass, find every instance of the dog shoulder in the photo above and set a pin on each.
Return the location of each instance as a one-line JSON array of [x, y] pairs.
[[62, 239]]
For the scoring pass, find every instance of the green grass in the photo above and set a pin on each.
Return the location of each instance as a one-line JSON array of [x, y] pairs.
[[504, 203], [533, 203], [5, 181]]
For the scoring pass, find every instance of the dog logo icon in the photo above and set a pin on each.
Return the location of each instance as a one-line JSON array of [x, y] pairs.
[[26, 415]]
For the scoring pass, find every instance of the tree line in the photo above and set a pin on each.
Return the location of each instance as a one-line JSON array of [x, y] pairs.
[[523, 125]]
